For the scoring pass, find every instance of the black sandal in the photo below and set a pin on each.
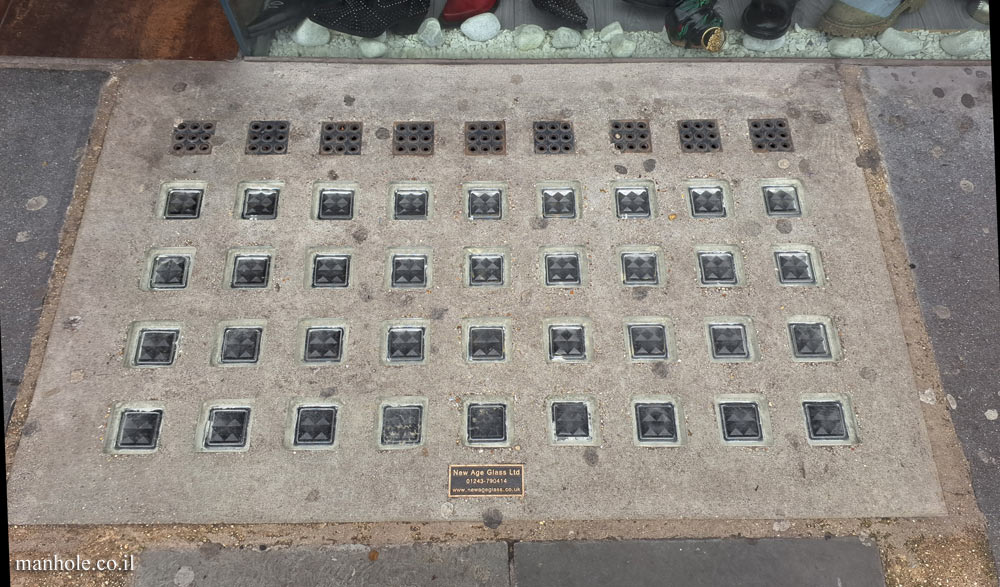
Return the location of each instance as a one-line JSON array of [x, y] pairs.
[[768, 19], [567, 10], [371, 18]]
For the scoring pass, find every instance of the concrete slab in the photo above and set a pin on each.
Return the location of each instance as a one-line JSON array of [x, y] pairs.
[[45, 117], [839, 562], [64, 475], [479, 565], [935, 131]]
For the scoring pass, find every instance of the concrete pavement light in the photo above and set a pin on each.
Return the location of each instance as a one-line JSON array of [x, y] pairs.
[[935, 131], [565, 282]]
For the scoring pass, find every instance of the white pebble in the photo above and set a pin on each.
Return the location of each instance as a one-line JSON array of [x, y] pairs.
[[310, 34], [481, 27]]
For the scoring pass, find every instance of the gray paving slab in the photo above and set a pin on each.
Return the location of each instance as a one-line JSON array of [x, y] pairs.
[[45, 117], [935, 130], [65, 474], [473, 565], [838, 562]]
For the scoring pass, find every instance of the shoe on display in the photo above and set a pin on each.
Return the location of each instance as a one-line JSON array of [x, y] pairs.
[[979, 10], [279, 14], [844, 20], [371, 18], [768, 19], [567, 10], [652, 3], [695, 24], [456, 11]]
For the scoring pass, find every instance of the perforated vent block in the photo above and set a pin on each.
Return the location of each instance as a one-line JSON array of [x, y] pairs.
[[699, 136], [770, 134], [554, 137], [486, 138], [631, 136], [193, 137], [267, 137], [413, 138], [340, 138]]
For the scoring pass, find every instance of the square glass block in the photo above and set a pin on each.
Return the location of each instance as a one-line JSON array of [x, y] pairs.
[[170, 272], [632, 202], [227, 427], [559, 203], [241, 344], [640, 269], [335, 204], [486, 269], [401, 425], [782, 200], [315, 426], [729, 341], [183, 203], [405, 344], [648, 341], [825, 420], [409, 270], [707, 202], [486, 343], [324, 345], [260, 203], [156, 348], [331, 270], [740, 421], [139, 429], [567, 343], [251, 271], [655, 422], [486, 423], [571, 419], [794, 267], [562, 269], [717, 268], [485, 204], [410, 204], [809, 340]]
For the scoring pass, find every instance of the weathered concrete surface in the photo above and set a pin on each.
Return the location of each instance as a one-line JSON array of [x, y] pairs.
[[62, 475], [839, 562], [474, 565], [935, 131], [46, 118]]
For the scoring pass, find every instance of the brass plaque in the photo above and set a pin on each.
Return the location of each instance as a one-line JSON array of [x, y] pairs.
[[486, 480]]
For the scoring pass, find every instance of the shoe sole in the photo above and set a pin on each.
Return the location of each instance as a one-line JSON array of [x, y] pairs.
[[837, 29]]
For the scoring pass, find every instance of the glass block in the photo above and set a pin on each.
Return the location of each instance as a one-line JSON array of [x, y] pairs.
[[648, 341], [156, 347], [260, 203], [825, 420], [323, 344], [183, 203], [169, 272], [740, 422], [794, 267], [567, 343], [486, 343], [241, 345], [632, 202], [782, 200], [331, 270], [401, 425], [640, 269], [717, 268], [571, 419], [562, 269], [729, 341], [315, 426], [655, 422], [486, 269], [707, 202], [336, 204], [405, 344], [251, 271], [486, 423], [809, 340], [485, 204], [409, 271], [559, 203], [227, 427], [139, 429], [410, 204]]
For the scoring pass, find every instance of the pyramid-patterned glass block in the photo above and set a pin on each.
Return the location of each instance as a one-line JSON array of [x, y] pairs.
[[729, 341], [336, 204], [741, 421], [640, 269], [794, 267], [251, 271], [717, 268], [485, 204], [183, 203], [825, 420], [316, 426], [571, 419], [809, 340], [782, 200], [241, 345], [562, 269], [260, 203], [227, 427], [655, 422], [632, 202], [487, 423], [170, 272], [486, 343], [409, 271], [405, 344], [559, 203], [331, 271], [156, 347], [401, 425], [648, 341], [486, 269], [410, 204], [707, 202], [567, 343], [323, 345], [139, 429]]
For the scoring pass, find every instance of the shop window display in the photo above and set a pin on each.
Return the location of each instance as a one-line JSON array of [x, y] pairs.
[[555, 29]]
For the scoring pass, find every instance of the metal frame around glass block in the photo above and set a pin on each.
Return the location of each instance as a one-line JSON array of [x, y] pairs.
[[638, 332], [564, 261], [799, 330], [629, 200], [227, 333], [314, 436], [717, 254], [397, 419], [805, 258], [730, 325], [330, 281], [634, 274], [337, 192], [170, 336], [655, 423], [842, 406], [492, 349], [554, 201], [239, 415], [492, 411], [129, 420], [402, 332], [792, 205], [559, 332], [332, 352], [559, 411], [156, 264], [249, 190], [240, 267], [479, 193]]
